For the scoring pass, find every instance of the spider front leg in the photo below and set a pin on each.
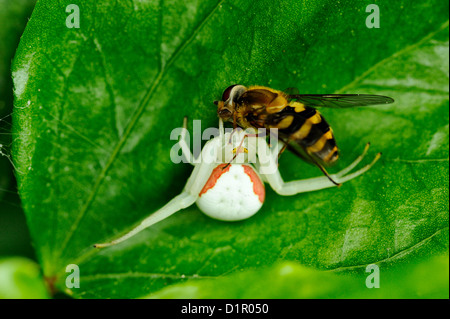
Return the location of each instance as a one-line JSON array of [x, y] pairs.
[[184, 146], [187, 197], [179, 202], [272, 176]]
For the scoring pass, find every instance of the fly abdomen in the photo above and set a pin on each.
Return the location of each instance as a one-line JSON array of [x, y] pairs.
[[311, 131], [325, 148]]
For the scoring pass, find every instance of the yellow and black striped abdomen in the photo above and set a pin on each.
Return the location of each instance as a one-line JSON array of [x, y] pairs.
[[304, 126]]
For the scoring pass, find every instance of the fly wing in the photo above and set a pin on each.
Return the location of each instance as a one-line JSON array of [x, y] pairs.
[[340, 100]]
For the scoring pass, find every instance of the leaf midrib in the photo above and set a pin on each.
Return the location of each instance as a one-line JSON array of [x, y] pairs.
[[147, 97], [398, 254], [125, 275], [131, 124]]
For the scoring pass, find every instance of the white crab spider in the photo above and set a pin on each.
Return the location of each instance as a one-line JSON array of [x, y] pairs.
[[228, 183]]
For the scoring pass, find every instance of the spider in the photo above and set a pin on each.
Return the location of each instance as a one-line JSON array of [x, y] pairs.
[[227, 183]]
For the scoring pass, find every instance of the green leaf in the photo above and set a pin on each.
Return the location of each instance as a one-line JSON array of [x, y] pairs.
[[20, 278], [14, 237], [94, 108], [286, 280], [13, 17]]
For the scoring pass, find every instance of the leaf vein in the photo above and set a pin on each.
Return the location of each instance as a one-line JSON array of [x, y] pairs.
[[396, 255], [137, 114], [393, 56]]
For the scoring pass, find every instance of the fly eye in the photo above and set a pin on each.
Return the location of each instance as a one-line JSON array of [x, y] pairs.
[[226, 93]]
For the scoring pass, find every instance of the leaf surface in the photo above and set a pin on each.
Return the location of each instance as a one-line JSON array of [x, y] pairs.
[[286, 280], [13, 17], [94, 108]]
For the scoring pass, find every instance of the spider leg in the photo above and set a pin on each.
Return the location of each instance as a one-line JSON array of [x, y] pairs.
[[221, 131], [355, 162], [273, 177], [188, 197], [348, 177], [184, 145], [176, 204]]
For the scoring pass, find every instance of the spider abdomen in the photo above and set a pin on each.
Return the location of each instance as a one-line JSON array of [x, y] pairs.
[[233, 192]]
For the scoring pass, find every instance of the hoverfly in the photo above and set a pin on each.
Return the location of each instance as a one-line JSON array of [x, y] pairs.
[[300, 126]]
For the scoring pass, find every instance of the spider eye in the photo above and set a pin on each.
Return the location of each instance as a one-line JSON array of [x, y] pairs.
[[226, 93]]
